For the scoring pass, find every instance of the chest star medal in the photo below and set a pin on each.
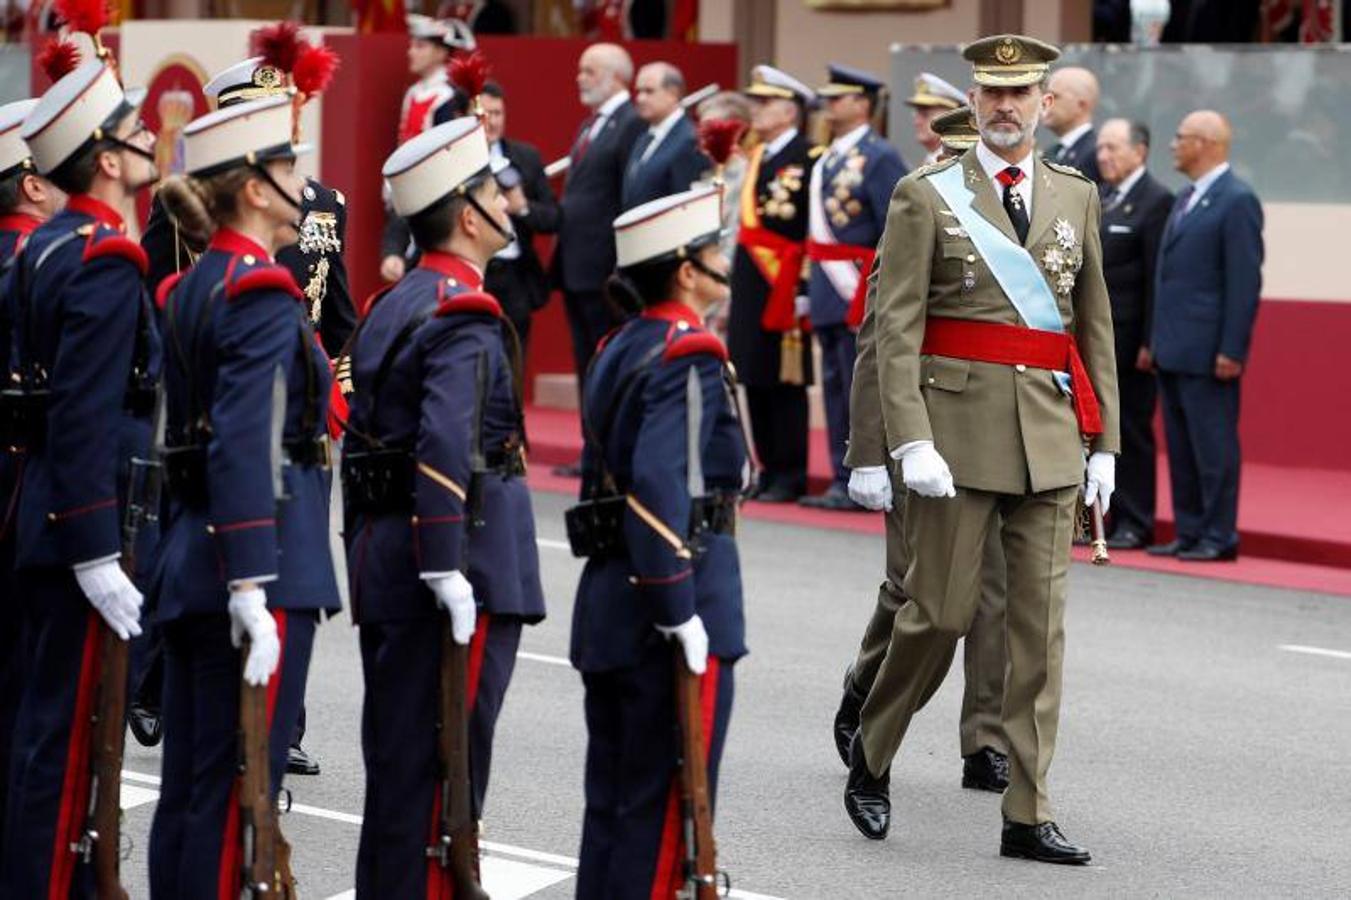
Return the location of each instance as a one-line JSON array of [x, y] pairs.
[[1064, 234]]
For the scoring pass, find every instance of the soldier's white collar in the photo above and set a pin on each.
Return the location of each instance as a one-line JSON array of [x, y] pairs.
[[774, 146]]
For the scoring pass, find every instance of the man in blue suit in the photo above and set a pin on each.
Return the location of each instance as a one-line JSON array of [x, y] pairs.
[[666, 159], [1205, 302]]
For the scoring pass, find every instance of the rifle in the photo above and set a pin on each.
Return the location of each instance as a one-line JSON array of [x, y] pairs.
[[456, 848], [101, 842], [266, 857], [702, 878]]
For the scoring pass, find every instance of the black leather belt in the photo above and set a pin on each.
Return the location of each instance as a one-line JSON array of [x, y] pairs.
[[596, 527]]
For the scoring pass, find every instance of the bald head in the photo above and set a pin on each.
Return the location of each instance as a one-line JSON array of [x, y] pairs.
[[1201, 143], [1074, 92], [603, 71], [1212, 126]]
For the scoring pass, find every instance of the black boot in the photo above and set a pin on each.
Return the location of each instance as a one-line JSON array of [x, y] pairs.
[[1042, 843], [986, 770], [145, 725], [867, 799], [298, 762], [847, 716]]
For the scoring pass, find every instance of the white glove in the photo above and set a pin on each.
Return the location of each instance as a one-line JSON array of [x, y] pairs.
[[870, 487], [693, 640], [1101, 480], [923, 470], [456, 596], [802, 306], [249, 615], [111, 592]]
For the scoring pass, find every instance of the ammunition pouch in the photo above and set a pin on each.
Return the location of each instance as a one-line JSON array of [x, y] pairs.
[[23, 416], [377, 482], [185, 474], [596, 527]]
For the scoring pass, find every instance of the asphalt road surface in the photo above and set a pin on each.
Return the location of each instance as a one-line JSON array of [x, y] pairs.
[[1202, 734]]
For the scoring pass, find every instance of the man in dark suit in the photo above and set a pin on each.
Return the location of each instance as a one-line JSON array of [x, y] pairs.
[[515, 276], [1134, 213], [1205, 303], [1074, 93], [666, 160]]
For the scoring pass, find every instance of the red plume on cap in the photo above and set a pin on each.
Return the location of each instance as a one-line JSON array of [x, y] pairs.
[[279, 45], [719, 137], [469, 73], [58, 58], [89, 16], [314, 69]]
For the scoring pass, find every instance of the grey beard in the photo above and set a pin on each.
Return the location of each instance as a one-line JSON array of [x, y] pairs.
[[1006, 139]]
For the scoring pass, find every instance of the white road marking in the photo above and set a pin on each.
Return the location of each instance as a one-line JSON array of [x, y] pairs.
[[509, 870], [550, 544], [505, 879], [542, 658], [133, 796], [1315, 651]]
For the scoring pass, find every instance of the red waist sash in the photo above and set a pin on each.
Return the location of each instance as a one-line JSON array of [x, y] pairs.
[[780, 309], [848, 253], [1013, 345]]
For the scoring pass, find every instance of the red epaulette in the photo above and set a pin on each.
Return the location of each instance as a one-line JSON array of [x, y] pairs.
[[692, 343], [264, 278], [469, 303], [600, 345], [110, 244], [166, 287]]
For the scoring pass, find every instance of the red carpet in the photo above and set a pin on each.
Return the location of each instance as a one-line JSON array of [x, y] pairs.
[[1295, 529]]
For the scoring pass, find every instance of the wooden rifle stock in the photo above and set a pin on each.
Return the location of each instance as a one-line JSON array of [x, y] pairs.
[[700, 863], [456, 849], [102, 839], [1099, 536], [265, 857]]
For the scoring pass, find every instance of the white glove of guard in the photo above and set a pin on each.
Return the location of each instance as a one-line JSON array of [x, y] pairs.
[[802, 306], [1101, 480], [924, 471], [693, 641], [870, 487], [249, 615], [111, 592], [455, 595]]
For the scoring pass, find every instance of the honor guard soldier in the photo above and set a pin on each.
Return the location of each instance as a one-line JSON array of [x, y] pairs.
[[933, 97], [994, 365], [82, 375], [439, 517], [245, 551], [663, 469], [983, 748], [26, 201], [766, 324], [850, 187]]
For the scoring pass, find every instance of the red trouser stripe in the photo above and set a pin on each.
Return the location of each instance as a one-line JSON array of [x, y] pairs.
[[668, 877], [229, 878], [75, 785]]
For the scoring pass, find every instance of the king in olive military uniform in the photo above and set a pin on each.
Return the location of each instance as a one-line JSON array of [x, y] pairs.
[[995, 364]]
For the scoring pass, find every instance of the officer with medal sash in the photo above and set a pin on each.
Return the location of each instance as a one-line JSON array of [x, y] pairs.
[[663, 470], [86, 357], [245, 549], [995, 366], [766, 324], [981, 737], [439, 517], [850, 187]]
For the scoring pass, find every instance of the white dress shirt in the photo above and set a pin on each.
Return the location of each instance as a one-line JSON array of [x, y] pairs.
[[605, 111], [774, 146], [1204, 183], [993, 165], [659, 133], [1118, 193], [1071, 137]]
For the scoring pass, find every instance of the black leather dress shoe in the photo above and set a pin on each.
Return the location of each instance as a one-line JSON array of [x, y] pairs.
[[298, 762], [986, 770], [1172, 548], [867, 800], [847, 716], [777, 493], [834, 498], [1204, 552], [1127, 539], [1042, 843], [145, 725]]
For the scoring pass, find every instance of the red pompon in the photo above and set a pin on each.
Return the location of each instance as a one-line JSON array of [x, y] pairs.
[[469, 302], [470, 72], [88, 16], [119, 247], [58, 58], [166, 287], [266, 278], [692, 343], [279, 45], [719, 137], [314, 69]]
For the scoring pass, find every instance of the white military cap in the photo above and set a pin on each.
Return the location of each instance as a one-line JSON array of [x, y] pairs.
[[767, 81], [248, 80], [668, 227], [14, 153], [459, 36], [244, 134], [933, 92], [82, 107], [425, 28], [436, 163]]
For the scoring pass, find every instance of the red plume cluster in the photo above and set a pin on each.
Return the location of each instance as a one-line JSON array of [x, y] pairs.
[[470, 72], [314, 69], [58, 58], [719, 137], [311, 67], [89, 16]]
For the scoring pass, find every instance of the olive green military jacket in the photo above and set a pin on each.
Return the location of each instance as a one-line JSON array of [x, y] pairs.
[[1000, 428]]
